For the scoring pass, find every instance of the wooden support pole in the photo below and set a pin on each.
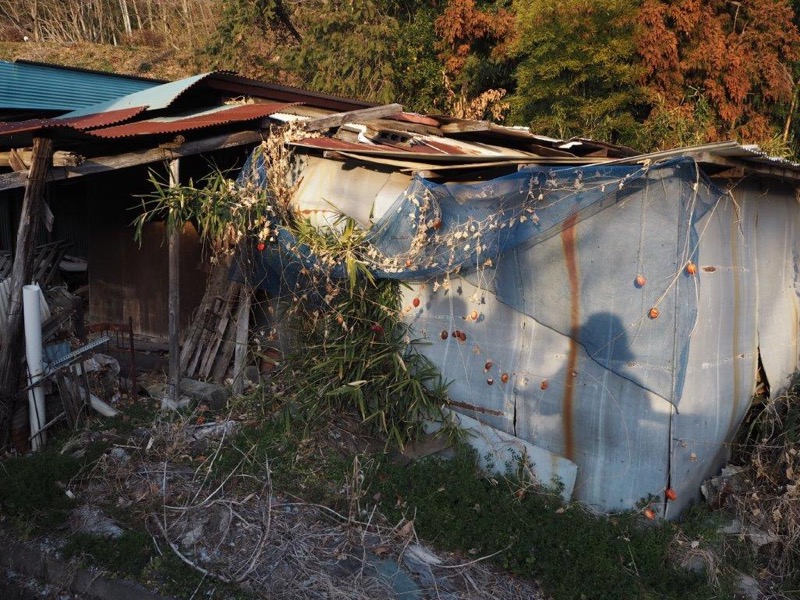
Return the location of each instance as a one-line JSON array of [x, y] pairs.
[[174, 298], [21, 273]]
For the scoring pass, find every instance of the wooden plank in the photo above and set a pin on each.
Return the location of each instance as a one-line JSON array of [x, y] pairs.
[[19, 159], [221, 329], [104, 164], [353, 116], [30, 218], [242, 331], [174, 296], [198, 330], [222, 360]]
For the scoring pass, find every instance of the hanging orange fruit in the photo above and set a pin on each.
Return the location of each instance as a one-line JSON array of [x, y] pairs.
[[649, 513], [489, 364], [691, 268], [437, 223], [544, 385], [444, 334], [671, 494], [261, 246], [474, 315], [408, 263], [640, 281], [462, 336], [415, 302], [504, 377], [339, 319], [653, 314]]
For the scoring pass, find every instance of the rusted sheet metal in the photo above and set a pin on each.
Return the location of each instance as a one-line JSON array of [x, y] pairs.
[[428, 147], [83, 123], [189, 121], [242, 86]]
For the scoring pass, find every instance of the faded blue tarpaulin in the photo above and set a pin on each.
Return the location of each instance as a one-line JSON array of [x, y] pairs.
[[498, 233]]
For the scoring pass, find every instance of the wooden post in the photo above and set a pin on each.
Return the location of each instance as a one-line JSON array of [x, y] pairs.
[[21, 273], [174, 299]]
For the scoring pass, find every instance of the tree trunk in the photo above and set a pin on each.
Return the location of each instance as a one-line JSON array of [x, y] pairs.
[[21, 273]]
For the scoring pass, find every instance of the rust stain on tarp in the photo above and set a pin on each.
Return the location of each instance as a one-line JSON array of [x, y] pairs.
[[568, 234]]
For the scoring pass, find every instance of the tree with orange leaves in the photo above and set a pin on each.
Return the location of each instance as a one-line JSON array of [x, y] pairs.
[[718, 69], [474, 47]]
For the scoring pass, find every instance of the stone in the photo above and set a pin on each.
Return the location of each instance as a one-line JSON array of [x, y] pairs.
[[213, 395]]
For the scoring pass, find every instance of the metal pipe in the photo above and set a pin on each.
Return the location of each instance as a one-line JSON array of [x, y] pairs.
[[31, 302]]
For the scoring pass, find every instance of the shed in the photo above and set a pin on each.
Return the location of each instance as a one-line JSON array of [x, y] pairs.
[[616, 312]]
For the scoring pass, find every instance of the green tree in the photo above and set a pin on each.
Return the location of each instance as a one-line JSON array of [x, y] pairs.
[[578, 72]]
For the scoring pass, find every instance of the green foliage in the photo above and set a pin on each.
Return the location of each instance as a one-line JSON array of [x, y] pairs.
[[578, 71], [574, 554], [126, 556], [348, 49], [417, 70], [222, 211], [32, 488], [248, 32], [355, 352]]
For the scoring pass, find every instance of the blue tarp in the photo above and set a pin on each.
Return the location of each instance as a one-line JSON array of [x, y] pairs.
[[493, 233]]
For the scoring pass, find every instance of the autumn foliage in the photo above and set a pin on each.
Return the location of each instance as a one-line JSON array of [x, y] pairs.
[[646, 73], [730, 59]]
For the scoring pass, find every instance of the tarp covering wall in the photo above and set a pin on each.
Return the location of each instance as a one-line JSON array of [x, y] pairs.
[[582, 331]]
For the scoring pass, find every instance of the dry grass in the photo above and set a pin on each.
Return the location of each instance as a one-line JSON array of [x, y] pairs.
[[769, 508], [237, 528]]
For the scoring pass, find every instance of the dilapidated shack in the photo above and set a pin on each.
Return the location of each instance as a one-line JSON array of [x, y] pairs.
[[614, 311]]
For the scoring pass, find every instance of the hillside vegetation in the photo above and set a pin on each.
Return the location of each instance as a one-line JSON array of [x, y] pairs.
[[648, 73]]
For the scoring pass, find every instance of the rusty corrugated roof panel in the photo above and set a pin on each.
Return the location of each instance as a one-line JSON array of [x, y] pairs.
[[82, 123], [241, 86], [197, 120], [423, 148]]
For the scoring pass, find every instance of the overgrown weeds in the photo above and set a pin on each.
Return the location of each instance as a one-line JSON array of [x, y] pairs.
[[570, 551], [769, 507]]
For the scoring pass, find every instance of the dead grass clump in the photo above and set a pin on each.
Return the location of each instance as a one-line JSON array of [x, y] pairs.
[[769, 508]]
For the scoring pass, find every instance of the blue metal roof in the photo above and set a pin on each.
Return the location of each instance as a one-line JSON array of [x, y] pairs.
[[153, 97], [26, 86]]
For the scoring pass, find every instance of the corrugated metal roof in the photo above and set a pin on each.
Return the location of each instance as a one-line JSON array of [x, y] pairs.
[[80, 123], [25, 86], [428, 147], [196, 120], [154, 98]]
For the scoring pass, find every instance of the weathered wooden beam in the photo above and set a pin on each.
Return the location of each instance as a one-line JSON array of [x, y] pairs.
[[174, 297], [21, 272], [132, 159], [242, 337], [353, 116], [20, 159]]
